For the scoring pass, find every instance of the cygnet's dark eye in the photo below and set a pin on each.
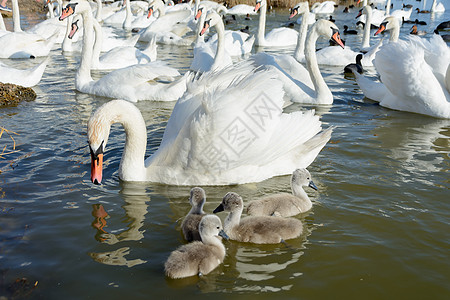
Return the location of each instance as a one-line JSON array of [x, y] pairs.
[[218, 227]]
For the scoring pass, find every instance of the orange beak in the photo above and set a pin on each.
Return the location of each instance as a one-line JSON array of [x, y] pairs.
[[294, 13], [68, 11], [96, 169], [359, 14], [359, 1], [380, 30], [257, 6], [205, 27], [199, 13], [73, 30], [337, 38], [150, 11]]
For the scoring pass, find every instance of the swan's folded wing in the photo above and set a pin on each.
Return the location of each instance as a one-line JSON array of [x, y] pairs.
[[410, 78]]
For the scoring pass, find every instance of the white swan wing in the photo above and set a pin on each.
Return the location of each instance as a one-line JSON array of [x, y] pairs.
[[229, 138], [410, 78]]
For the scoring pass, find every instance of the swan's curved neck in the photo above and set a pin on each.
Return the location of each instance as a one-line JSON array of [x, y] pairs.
[[60, 4], [67, 43], [298, 191], [395, 32], [84, 71], [220, 52], [447, 78], [51, 13], [16, 16], [233, 219], [97, 44], [323, 93], [260, 37], [366, 34], [433, 6], [132, 166], [127, 22], [299, 52], [98, 14], [388, 7]]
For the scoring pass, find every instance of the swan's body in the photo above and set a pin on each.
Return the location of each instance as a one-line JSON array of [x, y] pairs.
[[198, 258], [119, 57], [304, 85], [278, 37], [256, 229], [168, 28], [20, 44], [201, 122], [285, 205], [241, 9], [413, 77], [326, 7], [192, 220], [25, 77], [131, 83]]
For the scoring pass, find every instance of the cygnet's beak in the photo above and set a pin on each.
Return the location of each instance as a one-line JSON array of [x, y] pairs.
[[219, 208], [312, 185], [223, 235]]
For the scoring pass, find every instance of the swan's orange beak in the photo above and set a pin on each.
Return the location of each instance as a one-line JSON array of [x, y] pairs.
[[73, 30], [359, 14], [67, 11], [96, 168], [293, 14], [150, 11], [257, 6], [199, 13], [359, 1], [337, 38], [205, 27], [380, 30]]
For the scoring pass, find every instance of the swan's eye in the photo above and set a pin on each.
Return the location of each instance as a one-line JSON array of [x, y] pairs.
[[307, 178], [218, 227]]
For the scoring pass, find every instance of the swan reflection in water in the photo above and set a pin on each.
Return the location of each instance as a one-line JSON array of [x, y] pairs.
[[135, 207]]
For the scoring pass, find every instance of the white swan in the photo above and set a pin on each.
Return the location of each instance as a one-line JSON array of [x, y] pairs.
[[131, 83], [413, 77], [326, 7], [241, 9], [214, 135], [167, 28], [392, 25], [20, 44], [377, 15], [24, 77], [206, 58], [216, 53], [437, 7], [278, 37], [304, 85]]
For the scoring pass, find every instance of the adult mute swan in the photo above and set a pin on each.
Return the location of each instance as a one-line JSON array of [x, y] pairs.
[[278, 37], [131, 83], [214, 136], [413, 77], [216, 53], [437, 7], [119, 57], [326, 7], [21, 44], [241, 9], [304, 85], [168, 28], [392, 25], [24, 77], [204, 57]]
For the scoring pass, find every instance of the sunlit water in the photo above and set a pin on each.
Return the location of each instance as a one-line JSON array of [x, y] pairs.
[[378, 228]]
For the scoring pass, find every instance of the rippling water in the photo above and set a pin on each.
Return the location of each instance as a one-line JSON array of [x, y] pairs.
[[378, 228]]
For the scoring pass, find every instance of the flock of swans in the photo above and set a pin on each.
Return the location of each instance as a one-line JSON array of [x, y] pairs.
[[228, 125]]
